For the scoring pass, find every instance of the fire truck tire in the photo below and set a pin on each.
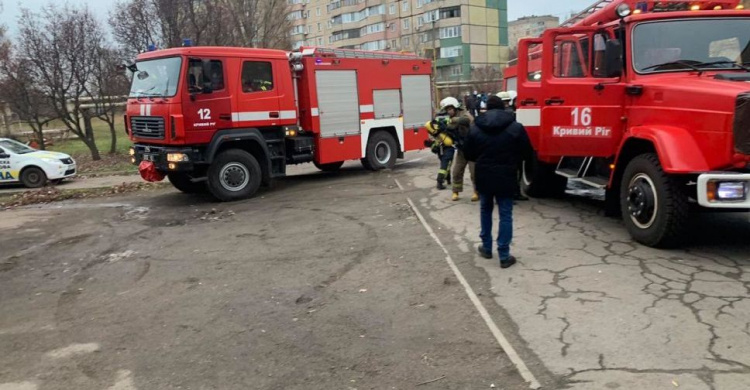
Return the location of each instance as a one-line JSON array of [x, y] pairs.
[[33, 177], [654, 207], [332, 167], [235, 174], [182, 182], [539, 180], [382, 152]]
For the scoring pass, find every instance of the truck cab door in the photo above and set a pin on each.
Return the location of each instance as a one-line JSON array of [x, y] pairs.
[[582, 109], [529, 85], [208, 106]]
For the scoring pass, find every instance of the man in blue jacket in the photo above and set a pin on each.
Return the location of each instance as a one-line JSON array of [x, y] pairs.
[[497, 143]]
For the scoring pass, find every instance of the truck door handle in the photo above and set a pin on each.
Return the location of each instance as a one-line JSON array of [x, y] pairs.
[[273, 114], [529, 102], [225, 117], [554, 101]]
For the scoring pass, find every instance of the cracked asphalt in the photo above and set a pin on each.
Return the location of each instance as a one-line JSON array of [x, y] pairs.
[[595, 310], [330, 281]]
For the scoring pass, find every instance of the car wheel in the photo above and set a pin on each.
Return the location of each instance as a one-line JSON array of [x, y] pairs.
[[332, 167], [235, 174], [382, 151], [184, 183], [539, 180], [654, 207], [33, 177]]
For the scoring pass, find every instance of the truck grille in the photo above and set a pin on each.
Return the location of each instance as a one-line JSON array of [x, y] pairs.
[[147, 127]]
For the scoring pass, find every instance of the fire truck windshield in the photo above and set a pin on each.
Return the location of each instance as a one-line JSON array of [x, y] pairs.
[[690, 44], [157, 77]]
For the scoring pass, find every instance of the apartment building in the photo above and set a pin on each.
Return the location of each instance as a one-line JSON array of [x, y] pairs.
[[529, 27], [461, 35]]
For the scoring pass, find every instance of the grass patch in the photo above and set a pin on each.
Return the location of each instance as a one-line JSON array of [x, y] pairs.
[[75, 147]]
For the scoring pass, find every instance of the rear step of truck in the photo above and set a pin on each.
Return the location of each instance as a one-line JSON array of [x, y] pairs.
[[590, 171]]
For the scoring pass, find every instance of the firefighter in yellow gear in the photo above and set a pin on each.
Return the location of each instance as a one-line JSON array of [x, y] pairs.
[[459, 123]]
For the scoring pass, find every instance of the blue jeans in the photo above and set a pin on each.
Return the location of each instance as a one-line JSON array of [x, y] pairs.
[[505, 205]]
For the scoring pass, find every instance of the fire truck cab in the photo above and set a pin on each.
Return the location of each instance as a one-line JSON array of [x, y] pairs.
[[226, 120], [649, 100]]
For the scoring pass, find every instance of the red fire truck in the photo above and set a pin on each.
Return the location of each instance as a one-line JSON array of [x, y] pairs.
[[227, 120], [649, 100]]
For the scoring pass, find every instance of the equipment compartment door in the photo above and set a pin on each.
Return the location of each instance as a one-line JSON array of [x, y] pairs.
[[387, 103], [417, 100], [338, 102]]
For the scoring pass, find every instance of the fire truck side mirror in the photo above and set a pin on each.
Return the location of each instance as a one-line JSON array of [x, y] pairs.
[[613, 58]]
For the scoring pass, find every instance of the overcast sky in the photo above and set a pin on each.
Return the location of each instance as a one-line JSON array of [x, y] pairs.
[[517, 8]]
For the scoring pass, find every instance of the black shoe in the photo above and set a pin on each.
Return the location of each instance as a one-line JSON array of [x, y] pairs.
[[507, 263], [484, 252], [520, 197], [441, 186]]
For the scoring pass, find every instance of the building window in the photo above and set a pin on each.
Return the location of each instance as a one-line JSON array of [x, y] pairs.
[[295, 15], [392, 9], [393, 43], [320, 41], [372, 29], [456, 70], [298, 30], [406, 23], [450, 32], [431, 16], [405, 6], [317, 11], [406, 42], [451, 52], [374, 45], [420, 21], [451, 12], [320, 28], [419, 3]]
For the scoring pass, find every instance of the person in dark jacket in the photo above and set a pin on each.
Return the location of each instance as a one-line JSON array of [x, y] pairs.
[[497, 143]]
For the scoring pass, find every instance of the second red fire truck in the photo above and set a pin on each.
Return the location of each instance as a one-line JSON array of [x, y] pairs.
[[227, 120], [649, 100]]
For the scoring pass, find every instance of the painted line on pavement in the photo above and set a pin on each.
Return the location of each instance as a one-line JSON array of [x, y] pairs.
[[494, 329]]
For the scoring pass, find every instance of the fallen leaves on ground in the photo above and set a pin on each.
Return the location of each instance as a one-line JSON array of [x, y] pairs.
[[53, 194], [109, 163]]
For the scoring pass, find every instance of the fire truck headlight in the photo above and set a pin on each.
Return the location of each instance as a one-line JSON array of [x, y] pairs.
[[741, 6], [131, 152], [695, 7], [731, 191], [177, 157], [623, 10]]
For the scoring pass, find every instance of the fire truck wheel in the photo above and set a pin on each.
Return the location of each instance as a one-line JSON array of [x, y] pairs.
[[182, 182], [235, 174], [382, 151], [33, 177], [654, 207], [332, 167], [539, 180]]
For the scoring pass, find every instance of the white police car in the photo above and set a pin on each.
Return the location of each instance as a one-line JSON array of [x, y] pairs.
[[31, 167]]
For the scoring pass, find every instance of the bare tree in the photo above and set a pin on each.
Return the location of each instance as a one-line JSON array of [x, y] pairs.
[[62, 46], [165, 23], [21, 92], [107, 90], [486, 79]]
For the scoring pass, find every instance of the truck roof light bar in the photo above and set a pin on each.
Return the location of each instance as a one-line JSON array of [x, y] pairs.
[[605, 11]]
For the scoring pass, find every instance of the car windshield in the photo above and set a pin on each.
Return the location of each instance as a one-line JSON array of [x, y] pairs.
[[15, 147], [156, 77], [685, 45]]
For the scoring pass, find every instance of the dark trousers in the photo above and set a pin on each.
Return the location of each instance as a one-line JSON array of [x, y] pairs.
[[505, 235], [446, 159]]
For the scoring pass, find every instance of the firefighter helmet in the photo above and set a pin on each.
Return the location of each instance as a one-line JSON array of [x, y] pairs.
[[449, 102], [505, 96]]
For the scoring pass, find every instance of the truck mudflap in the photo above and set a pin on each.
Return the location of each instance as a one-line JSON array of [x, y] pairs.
[[724, 190], [148, 172]]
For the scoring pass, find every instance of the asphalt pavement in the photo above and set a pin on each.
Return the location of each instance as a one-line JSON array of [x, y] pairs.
[[361, 280]]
